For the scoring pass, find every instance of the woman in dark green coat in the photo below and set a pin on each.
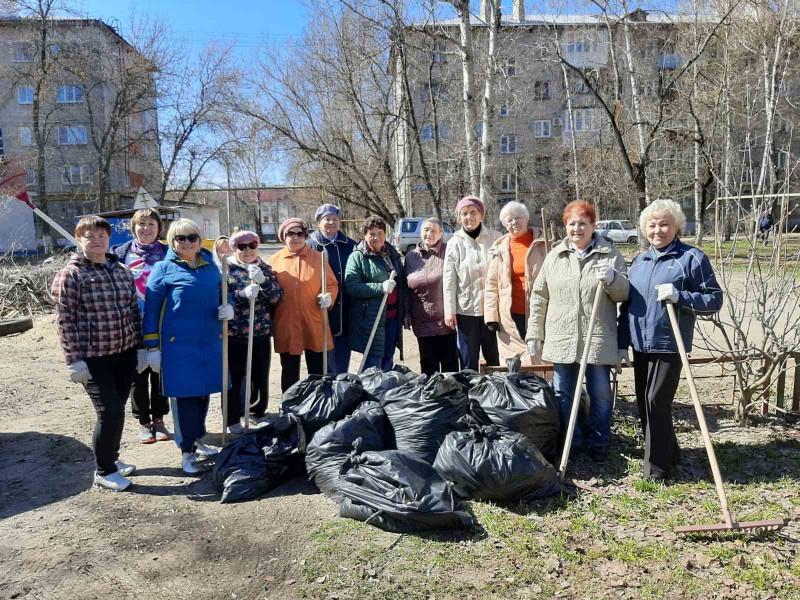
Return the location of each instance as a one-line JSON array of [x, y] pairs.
[[367, 280]]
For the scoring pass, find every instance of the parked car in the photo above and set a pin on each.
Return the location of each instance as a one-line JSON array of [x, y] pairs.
[[619, 231], [407, 233]]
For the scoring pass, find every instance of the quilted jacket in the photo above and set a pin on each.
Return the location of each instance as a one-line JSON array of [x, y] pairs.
[[466, 264]]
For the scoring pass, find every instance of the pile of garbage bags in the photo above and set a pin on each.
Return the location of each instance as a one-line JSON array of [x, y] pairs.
[[398, 450]]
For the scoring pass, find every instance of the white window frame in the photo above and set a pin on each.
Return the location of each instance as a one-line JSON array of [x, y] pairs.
[[505, 109], [68, 177], [543, 86], [25, 94], [508, 182], [72, 135], [439, 54], [508, 144], [26, 136], [69, 94], [583, 119], [782, 159], [510, 67], [23, 53], [542, 129]]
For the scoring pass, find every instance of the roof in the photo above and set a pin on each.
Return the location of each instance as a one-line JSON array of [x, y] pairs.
[[70, 21], [534, 20]]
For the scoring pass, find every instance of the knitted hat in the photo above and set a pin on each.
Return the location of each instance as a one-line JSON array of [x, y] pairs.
[[242, 237], [325, 210], [288, 224], [470, 201]]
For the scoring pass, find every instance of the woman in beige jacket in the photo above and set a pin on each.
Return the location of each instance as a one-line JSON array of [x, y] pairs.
[[561, 303], [514, 262]]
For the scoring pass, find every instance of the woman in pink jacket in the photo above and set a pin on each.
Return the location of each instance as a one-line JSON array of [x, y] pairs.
[[424, 312]]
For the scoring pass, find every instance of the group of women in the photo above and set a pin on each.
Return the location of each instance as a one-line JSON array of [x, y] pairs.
[[148, 316]]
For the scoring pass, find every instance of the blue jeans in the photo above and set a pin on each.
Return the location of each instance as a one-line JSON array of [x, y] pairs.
[[598, 384], [339, 357], [189, 418], [386, 361]]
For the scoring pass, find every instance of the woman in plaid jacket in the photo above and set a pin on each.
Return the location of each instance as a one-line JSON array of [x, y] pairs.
[[100, 328]]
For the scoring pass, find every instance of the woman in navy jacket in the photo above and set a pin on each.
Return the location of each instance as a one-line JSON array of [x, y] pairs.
[[674, 272], [183, 334]]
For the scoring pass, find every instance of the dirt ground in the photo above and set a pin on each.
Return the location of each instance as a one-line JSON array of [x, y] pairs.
[[169, 537]]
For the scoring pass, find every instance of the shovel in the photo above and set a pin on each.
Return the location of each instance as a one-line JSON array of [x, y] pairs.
[[223, 259], [248, 387], [374, 328], [324, 313]]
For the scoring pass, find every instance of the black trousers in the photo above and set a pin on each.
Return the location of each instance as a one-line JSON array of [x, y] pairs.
[[656, 378], [474, 336], [147, 401], [108, 389], [438, 353], [522, 324], [290, 367], [259, 376]]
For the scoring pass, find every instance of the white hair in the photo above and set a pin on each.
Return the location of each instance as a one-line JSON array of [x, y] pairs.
[[663, 207], [182, 227], [511, 207]]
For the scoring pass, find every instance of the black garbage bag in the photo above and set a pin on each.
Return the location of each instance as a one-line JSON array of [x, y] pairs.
[[465, 377], [260, 460], [421, 415], [519, 402], [397, 491], [332, 445], [321, 399], [377, 382], [485, 463]]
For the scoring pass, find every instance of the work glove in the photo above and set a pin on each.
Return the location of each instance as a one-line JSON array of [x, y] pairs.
[[667, 293], [535, 347], [250, 291], [325, 301], [623, 359], [493, 327], [388, 286], [154, 360], [79, 372], [141, 360], [255, 273], [225, 312], [604, 272]]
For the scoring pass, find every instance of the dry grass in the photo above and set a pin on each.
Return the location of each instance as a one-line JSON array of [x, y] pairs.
[[25, 284]]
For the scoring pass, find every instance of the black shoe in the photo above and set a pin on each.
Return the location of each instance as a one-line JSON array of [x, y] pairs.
[[598, 453]]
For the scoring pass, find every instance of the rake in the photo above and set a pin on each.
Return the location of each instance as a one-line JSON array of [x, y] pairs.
[[729, 524], [222, 255]]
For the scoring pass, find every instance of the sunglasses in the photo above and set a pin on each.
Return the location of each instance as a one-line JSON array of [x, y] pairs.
[[191, 238], [295, 234], [247, 246]]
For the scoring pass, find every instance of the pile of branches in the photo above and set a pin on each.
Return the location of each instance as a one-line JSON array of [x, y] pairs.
[[25, 284]]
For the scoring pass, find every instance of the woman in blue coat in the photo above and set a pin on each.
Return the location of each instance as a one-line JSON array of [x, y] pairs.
[[183, 334], [674, 272], [368, 279]]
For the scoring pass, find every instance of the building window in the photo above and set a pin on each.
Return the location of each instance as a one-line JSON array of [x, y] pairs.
[[25, 136], [479, 130], [543, 166], [440, 53], [23, 53], [582, 88], [72, 136], [69, 94], [505, 109], [25, 94], [508, 144], [578, 45], [436, 90], [541, 129], [782, 159], [541, 90], [582, 117], [76, 175], [426, 133], [510, 67], [30, 177], [508, 182]]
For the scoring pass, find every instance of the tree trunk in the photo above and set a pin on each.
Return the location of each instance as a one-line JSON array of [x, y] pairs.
[[468, 96], [487, 107]]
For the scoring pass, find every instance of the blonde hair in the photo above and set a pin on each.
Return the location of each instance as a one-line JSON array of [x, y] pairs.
[[663, 207], [182, 227], [147, 213]]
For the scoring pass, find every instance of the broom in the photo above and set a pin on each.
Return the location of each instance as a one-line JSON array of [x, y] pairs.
[[729, 524]]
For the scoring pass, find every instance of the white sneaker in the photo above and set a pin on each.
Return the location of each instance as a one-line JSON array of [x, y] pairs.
[[202, 451], [259, 422], [125, 469], [188, 463], [235, 429], [114, 482]]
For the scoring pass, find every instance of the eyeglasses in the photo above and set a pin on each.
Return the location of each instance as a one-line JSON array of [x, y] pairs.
[[247, 246], [295, 234], [191, 238]]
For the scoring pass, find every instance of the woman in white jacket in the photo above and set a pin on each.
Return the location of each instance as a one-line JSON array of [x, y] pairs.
[[466, 263]]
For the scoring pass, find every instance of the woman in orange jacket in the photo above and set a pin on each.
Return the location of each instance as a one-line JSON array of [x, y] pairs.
[[298, 318]]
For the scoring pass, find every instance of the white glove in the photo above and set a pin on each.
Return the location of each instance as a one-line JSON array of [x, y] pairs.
[[325, 301], [154, 360], [534, 347], [604, 272], [225, 312], [388, 286], [667, 293], [79, 372], [255, 273], [622, 359], [251, 291], [141, 360]]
